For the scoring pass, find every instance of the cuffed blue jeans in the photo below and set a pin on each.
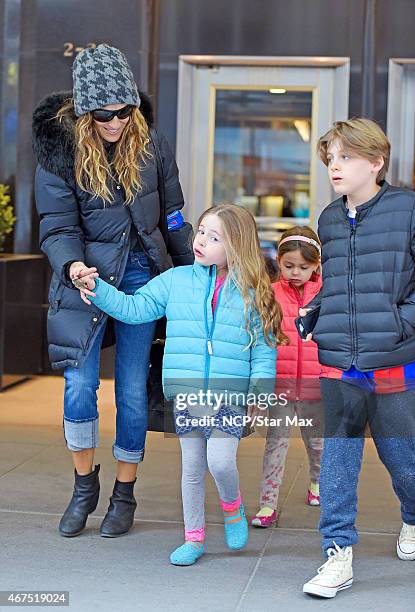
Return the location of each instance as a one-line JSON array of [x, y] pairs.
[[391, 418], [133, 345]]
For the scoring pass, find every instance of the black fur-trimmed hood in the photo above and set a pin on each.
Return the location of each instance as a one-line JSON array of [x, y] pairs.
[[53, 142]]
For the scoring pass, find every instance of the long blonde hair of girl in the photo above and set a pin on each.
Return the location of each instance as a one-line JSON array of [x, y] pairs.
[[93, 172], [247, 269]]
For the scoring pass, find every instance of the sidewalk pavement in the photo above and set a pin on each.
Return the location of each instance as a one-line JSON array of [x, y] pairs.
[[132, 573]]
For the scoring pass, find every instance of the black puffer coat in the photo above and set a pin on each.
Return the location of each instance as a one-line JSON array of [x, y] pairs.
[[74, 226], [367, 303]]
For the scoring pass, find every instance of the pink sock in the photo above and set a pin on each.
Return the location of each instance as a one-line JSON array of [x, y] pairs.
[[194, 535], [230, 506]]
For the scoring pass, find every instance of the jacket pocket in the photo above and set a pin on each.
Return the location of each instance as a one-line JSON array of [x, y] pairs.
[[55, 296], [401, 331]]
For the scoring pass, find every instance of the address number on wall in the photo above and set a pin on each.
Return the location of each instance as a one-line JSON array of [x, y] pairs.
[[70, 49]]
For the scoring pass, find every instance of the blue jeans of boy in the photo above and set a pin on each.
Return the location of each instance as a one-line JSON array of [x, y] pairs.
[[391, 418], [133, 345]]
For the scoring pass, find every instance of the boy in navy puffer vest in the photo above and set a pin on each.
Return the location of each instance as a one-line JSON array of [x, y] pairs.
[[365, 333]]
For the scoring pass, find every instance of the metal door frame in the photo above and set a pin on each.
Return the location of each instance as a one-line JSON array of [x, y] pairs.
[[401, 120], [201, 75]]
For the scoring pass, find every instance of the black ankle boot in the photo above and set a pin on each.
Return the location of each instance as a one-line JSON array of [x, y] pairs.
[[120, 515], [84, 501]]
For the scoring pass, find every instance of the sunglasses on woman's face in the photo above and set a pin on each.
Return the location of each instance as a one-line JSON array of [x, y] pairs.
[[104, 116]]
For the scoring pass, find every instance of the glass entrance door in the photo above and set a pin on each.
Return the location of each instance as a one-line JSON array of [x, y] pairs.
[[262, 152], [247, 135]]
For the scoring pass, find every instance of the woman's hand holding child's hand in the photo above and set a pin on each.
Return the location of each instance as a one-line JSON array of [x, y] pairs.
[[78, 269], [85, 282]]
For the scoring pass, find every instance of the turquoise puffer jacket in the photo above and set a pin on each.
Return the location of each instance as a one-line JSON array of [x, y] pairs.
[[202, 351]]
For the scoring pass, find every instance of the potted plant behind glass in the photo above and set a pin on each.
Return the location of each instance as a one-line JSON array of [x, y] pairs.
[[7, 217], [21, 283]]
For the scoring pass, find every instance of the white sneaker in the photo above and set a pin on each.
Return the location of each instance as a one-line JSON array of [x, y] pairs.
[[334, 575], [405, 546]]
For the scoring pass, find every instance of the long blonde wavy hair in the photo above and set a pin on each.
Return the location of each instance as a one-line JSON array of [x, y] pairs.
[[247, 269], [93, 172]]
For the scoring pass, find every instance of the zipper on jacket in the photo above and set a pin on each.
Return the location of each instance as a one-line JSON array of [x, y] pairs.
[[352, 293], [209, 332], [300, 350], [209, 347]]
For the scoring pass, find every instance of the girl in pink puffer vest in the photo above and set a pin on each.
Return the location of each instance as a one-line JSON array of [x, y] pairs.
[[298, 372]]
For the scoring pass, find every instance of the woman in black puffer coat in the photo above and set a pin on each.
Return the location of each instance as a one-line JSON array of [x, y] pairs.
[[97, 195]]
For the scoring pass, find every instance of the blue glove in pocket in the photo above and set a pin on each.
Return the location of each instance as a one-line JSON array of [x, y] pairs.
[[175, 220]]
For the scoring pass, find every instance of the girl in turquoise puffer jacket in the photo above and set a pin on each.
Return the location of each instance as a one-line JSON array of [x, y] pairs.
[[223, 324]]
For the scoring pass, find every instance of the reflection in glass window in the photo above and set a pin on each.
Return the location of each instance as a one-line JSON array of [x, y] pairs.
[[262, 151]]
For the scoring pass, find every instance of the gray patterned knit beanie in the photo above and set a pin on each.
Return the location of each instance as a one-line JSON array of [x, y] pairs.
[[102, 76]]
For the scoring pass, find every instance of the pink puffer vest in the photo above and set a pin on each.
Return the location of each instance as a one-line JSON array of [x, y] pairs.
[[298, 368]]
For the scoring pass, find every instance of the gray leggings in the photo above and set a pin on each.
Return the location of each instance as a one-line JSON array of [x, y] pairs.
[[218, 455]]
